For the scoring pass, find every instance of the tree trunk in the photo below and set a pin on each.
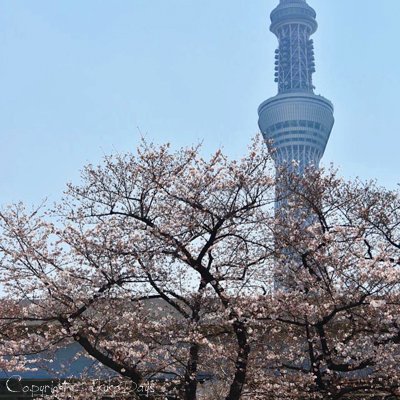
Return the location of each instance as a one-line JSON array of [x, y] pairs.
[[239, 380], [191, 371]]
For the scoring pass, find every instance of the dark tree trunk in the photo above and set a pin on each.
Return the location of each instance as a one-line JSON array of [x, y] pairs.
[[239, 380], [191, 372]]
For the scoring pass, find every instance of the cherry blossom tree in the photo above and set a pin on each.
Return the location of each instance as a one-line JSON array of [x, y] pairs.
[[169, 270], [143, 264], [338, 309]]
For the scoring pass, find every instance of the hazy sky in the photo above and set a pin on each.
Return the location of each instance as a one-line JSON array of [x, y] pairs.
[[81, 78]]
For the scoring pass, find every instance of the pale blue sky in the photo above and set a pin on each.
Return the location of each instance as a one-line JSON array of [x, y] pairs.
[[77, 79]]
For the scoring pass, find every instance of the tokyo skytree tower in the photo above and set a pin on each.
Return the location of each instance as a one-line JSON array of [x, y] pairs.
[[297, 121]]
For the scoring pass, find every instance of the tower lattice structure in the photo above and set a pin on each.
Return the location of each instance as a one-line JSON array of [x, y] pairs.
[[296, 123]]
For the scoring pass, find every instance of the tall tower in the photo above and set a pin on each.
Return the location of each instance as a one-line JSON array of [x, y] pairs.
[[297, 121]]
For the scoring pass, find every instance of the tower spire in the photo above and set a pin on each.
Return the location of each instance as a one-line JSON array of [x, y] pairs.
[[293, 22], [295, 123]]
